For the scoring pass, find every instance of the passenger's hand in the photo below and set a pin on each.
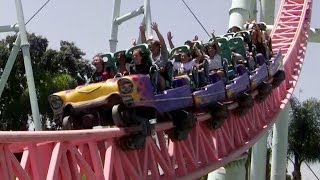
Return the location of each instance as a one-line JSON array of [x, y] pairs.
[[154, 26], [212, 34], [169, 35], [134, 41], [142, 28], [196, 38]]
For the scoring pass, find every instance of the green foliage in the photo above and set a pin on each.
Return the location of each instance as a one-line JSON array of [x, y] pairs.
[[304, 130], [53, 71], [304, 133]]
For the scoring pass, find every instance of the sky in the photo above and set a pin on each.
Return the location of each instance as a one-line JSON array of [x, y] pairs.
[[88, 25]]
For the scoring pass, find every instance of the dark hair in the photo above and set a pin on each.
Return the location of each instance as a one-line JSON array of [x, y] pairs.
[[145, 56], [213, 45], [120, 55], [187, 42], [155, 42], [236, 27]]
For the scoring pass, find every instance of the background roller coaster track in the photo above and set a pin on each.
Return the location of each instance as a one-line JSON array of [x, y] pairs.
[[94, 154]]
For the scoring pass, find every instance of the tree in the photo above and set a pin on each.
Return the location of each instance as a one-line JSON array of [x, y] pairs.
[[53, 71], [304, 133]]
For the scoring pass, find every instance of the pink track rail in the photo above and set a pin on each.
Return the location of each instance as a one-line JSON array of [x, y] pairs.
[[93, 154]]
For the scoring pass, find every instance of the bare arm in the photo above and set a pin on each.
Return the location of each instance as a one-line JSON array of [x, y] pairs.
[[143, 33], [215, 40], [154, 26], [169, 36], [198, 53], [134, 41]]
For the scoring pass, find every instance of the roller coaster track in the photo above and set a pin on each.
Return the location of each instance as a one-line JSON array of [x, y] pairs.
[[93, 154]]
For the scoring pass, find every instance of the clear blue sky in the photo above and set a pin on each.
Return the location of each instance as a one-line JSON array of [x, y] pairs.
[[88, 24]]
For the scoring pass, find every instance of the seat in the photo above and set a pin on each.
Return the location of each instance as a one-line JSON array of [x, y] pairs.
[[246, 36], [229, 35], [116, 54], [222, 40], [180, 81], [225, 51], [184, 48], [212, 39], [116, 57], [145, 50], [229, 69], [238, 44], [109, 60]]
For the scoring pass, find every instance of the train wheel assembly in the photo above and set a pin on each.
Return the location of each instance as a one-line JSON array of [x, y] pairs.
[[264, 90], [245, 102], [132, 142], [137, 140], [121, 115], [87, 121], [67, 123], [184, 121], [219, 112], [278, 78]]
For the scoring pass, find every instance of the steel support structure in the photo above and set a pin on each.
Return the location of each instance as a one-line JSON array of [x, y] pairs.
[[12, 58], [25, 46], [280, 145], [114, 26], [21, 42], [239, 12], [234, 170], [314, 35], [258, 159], [267, 11], [259, 150], [117, 20]]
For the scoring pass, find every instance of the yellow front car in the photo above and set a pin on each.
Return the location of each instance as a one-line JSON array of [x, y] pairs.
[[95, 98]]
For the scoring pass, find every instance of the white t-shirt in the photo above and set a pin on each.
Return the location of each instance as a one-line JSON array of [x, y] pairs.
[[183, 68], [215, 62]]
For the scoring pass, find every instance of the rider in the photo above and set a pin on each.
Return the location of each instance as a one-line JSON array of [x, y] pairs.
[[140, 63], [102, 71], [159, 53]]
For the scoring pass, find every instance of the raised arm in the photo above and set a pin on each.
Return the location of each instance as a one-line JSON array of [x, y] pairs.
[[142, 29], [154, 26], [169, 36], [198, 53], [215, 40]]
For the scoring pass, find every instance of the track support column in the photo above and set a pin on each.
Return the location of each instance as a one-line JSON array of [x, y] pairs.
[[9, 64], [219, 174], [115, 26], [25, 46], [259, 150], [279, 145], [239, 12], [267, 11], [234, 170], [258, 159]]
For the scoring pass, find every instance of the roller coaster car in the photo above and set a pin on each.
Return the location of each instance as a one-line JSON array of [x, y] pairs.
[[122, 94]]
